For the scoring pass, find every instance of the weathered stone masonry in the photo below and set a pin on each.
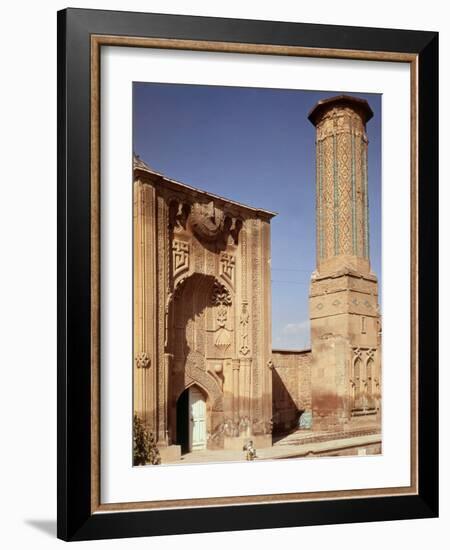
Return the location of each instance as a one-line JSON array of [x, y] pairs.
[[202, 302], [202, 310], [344, 311]]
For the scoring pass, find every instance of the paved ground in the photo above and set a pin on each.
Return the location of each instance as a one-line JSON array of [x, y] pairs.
[[298, 444]]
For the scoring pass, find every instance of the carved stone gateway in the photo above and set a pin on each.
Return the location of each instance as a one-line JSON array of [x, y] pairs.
[[202, 311]]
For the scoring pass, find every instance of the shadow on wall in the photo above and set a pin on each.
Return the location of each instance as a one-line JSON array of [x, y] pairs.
[[285, 413]]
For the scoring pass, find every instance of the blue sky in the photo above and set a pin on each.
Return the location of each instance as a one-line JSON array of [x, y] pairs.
[[256, 146]]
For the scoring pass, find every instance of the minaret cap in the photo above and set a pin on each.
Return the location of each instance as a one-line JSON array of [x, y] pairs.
[[324, 105]]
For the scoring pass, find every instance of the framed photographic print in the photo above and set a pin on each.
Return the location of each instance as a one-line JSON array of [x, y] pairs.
[[247, 274]]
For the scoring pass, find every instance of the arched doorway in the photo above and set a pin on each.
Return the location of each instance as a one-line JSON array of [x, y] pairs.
[[200, 339], [191, 420]]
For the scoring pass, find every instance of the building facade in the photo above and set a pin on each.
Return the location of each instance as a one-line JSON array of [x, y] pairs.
[[205, 374], [202, 325]]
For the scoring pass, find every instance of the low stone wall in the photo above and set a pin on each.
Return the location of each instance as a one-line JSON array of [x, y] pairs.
[[361, 450], [291, 388]]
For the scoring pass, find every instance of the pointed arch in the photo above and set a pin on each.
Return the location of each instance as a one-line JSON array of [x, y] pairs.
[[357, 381], [370, 382]]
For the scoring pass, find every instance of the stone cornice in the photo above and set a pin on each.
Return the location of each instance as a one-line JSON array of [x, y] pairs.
[[147, 175]]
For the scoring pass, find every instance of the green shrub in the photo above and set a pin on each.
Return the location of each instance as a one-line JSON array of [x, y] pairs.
[[145, 450]]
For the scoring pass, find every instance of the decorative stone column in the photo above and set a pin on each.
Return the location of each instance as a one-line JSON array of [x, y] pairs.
[[236, 367], [343, 294], [145, 357]]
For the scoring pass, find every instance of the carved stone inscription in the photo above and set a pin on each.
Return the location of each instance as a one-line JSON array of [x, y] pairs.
[[180, 257]]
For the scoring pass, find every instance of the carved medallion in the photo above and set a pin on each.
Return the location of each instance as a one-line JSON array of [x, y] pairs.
[[220, 295], [207, 221], [142, 360]]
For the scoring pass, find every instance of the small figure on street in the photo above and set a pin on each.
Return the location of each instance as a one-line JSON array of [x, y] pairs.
[[250, 451]]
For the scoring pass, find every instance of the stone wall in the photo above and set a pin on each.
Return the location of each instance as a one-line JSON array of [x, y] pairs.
[[291, 388]]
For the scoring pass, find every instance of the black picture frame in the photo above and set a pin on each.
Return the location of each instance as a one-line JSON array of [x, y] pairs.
[[76, 521]]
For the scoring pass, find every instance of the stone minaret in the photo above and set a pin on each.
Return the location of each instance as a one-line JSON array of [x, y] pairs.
[[345, 321]]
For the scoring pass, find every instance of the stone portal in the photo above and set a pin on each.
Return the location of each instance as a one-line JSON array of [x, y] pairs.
[[201, 313]]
